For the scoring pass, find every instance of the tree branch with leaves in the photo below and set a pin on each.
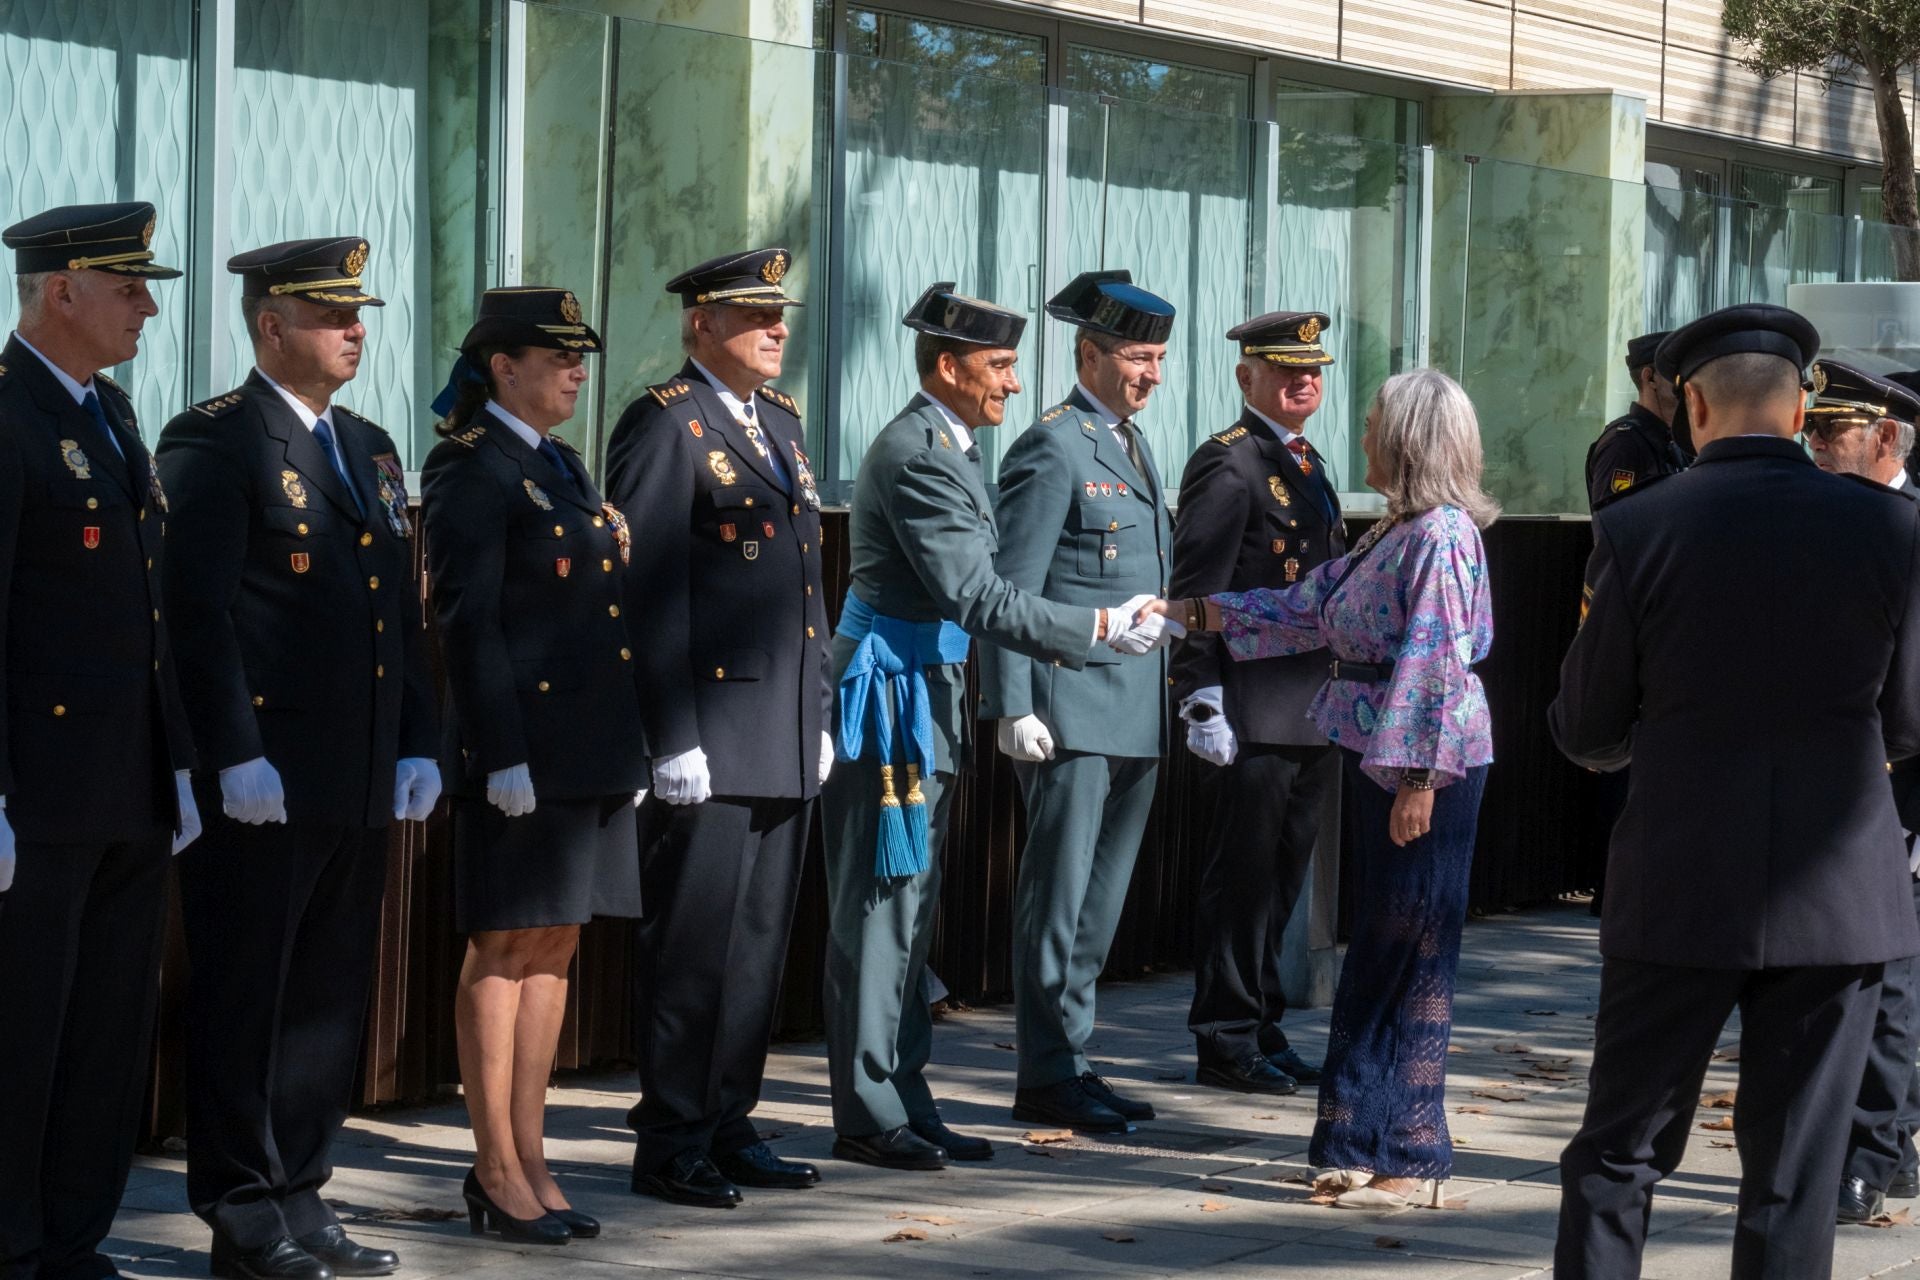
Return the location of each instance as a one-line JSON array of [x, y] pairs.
[[1834, 39]]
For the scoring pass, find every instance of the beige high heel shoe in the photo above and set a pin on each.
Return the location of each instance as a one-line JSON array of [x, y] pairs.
[[1337, 1180], [1428, 1193]]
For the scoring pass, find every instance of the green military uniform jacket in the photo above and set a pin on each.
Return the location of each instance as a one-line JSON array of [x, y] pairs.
[[1079, 525], [922, 541]]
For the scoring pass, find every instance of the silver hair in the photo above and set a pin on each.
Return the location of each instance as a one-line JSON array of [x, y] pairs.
[[31, 289], [1428, 440], [1903, 433], [688, 338]]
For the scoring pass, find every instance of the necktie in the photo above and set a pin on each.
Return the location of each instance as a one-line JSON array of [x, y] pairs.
[[1297, 446], [973, 453], [99, 415], [558, 461], [323, 432], [1131, 443], [765, 445]]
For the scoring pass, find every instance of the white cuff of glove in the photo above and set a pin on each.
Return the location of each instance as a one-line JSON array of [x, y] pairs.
[[683, 778], [1212, 695], [416, 788], [251, 792], [826, 756], [1025, 738], [510, 790], [189, 829]]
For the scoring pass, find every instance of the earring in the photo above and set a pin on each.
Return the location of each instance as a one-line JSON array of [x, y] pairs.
[[512, 380]]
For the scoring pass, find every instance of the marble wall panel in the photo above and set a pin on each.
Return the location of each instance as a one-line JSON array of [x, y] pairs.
[[1705, 91], [1459, 41], [1549, 53], [1310, 27]]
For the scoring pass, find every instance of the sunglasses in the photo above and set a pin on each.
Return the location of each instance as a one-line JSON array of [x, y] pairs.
[[1831, 428]]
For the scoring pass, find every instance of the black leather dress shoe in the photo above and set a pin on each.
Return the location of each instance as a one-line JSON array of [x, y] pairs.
[[1102, 1092], [347, 1258], [1253, 1073], [899, 1148], [1289, 1063], [1905, 1185], [1859, 1201], [958, 1146], [1068, 1105], [688, 1178], [280, 1259], [757, 1166]]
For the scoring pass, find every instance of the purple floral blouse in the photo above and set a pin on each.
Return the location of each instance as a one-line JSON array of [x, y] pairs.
[[1418, 597]]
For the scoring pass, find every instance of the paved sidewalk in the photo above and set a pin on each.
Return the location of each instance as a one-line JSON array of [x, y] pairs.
[[1214, 1185]]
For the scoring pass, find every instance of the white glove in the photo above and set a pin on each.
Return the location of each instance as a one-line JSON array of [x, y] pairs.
[[189, 811], [7, 855], [416, 788], [1211, 739], [683, 779], [250, 792], [511, 790], [639, 797], [1025, 738], [1120, 624], [826, 756], [1135, 636]]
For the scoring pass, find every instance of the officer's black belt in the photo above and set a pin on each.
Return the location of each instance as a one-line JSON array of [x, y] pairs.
[[1365, 672]]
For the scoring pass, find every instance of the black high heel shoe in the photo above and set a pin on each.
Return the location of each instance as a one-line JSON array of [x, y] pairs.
[[483, 1215], [582, 1227]]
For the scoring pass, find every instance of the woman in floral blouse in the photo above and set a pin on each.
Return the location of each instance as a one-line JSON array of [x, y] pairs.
[[1406, 615]]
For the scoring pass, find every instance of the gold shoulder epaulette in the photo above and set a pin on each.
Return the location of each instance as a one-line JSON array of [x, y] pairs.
[[666, 392], [218, 405], [1230, 435], [782, 399], [471, 436], [1054, 413], [560, 440], [357, 417], [101, 377]]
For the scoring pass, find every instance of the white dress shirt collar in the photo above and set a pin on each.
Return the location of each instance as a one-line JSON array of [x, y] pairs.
[[526, 433], [1106, 415], [959, 428], [307, 416], [1899, 481], [742, 410], [79, 391]]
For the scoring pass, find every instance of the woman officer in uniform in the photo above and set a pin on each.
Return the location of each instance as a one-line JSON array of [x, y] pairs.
[[543, 751]]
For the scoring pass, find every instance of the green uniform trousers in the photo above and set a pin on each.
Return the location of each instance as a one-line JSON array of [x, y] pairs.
[[1085, 816], [879, 1028]]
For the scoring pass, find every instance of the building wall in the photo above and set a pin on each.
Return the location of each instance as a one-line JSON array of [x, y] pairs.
[[1673, 53]]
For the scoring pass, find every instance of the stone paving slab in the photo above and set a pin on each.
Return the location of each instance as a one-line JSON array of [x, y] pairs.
[[1214, 1184]]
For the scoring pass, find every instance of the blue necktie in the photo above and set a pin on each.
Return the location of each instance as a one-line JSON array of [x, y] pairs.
[[92, 405], [323, 432], [770, 446], [558, 461]]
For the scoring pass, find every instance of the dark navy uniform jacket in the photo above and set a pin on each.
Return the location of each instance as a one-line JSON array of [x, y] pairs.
[[94, 727], [1632, 449], [726, 589], [297, 619], [525, 568], [1249, 518], [1759, 683]]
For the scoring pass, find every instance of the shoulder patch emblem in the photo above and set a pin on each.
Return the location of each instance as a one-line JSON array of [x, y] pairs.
[[1231, 435], [667, 392], [471, 436], [218, 405], [1622, 481]]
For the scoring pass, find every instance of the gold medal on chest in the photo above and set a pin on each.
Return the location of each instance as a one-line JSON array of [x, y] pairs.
[[1278, 488], [539, 495], [722, 466], [76, 459], [296, 492]]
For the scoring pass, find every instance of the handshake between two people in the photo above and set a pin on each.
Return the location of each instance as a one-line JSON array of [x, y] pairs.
[[1137, 627]]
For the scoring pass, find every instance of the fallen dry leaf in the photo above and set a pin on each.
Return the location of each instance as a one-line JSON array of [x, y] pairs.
[[1501, 1095], [1473, 1109], [931, 1219], [905, 1234], [1269, 1116], [1543, 1013], [1898, 1218], [1511, 1046], [1291, 1177], [1216, 1186], [1715, 1142], [1719, 1099], [1211, 1206], [1003, 1044], [1388, 1242], [1118, 1237], [1460, 1141], [1044, 1136], [1171, 1075], [1038, 1151], [1454, 1048], [1722, 1124], [1726, 1055]]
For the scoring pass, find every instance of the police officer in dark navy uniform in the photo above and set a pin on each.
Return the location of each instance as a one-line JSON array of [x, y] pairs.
[[298, 626], [1641, 444], [1863, 425], [542, 748], [1257, 509], [1759, 685], [711, 468], [94, 746]]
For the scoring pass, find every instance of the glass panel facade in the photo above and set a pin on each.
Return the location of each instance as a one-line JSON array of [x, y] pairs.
[[96, 101]]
